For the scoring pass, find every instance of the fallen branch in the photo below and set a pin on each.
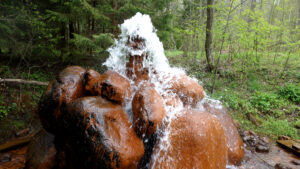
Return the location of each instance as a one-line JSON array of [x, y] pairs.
[[33, 82], [12, 144], [15, 143]]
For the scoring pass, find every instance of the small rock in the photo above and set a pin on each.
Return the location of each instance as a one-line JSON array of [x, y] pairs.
[[281, 166], [296, 162], [23, 132], [250, 140], [281, 137], [5, 158], [252, 133], [265, 140], [262, 149], [296, 146]]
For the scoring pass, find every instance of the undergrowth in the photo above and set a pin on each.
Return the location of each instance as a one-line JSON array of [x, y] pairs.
[[264, 90]]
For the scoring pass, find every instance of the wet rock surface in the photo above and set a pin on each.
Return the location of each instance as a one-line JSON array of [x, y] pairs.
[[261, 152], [189, 91], [199, 139], [148, 111], [235, 144], [115, 88], [13, 159], [99, 133], [67, 87], [254, 142]]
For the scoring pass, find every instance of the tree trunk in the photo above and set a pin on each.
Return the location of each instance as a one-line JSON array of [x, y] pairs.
[[209, 35], [172, 35], [298, 17]]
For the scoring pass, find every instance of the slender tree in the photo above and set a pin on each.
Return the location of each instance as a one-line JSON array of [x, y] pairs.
[[209, 35]]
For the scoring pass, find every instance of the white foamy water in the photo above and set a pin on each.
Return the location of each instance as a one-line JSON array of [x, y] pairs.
[[141, 26]]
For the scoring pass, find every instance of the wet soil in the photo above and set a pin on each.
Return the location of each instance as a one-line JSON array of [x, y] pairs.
[[15, 159]]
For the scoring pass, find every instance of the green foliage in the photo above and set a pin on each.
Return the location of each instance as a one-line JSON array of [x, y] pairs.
[[276, 127], [291, 92], [5, 71], [69, 31], [5, 108], [265, 102], [231, 100]]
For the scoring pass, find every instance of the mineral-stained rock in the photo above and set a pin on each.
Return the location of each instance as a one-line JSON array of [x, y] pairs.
[[235, 143], [172, 101], [196, 140], [115, 88], [41, 152], [148, 110], [99, 135], [93, 82], [110, 85], [67, 87], [189, 91], [135, 69]]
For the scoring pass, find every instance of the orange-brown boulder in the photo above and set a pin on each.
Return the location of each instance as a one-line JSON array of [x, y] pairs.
[[116, 88], [148, 110], [135, 69], [93, 82], [99, 135], [196, 140], [172, 101], [67, 87], [235, 143], [41, 152], [110, 85], [189, 91]]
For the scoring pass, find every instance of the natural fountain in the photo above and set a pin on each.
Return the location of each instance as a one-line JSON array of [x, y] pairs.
[[141, 113]]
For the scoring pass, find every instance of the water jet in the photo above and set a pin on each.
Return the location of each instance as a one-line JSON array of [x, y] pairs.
[[141, 113]]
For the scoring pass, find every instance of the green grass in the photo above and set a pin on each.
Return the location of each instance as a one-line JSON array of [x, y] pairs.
[[261, 88], [173, 53]]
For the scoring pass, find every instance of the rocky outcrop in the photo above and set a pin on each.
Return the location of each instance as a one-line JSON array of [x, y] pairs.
[[99, 133], [188, 90], [110, 85], [93, 82], [67, 87], [115, 88], [148, 110], [235, 144], [196, 140]]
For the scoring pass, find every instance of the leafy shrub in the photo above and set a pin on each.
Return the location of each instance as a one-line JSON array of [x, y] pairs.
[[3, 112], [265, 101], [230, 99], [291, 92], [254, 85], [279, 127], [5, 109], [5, 71]]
